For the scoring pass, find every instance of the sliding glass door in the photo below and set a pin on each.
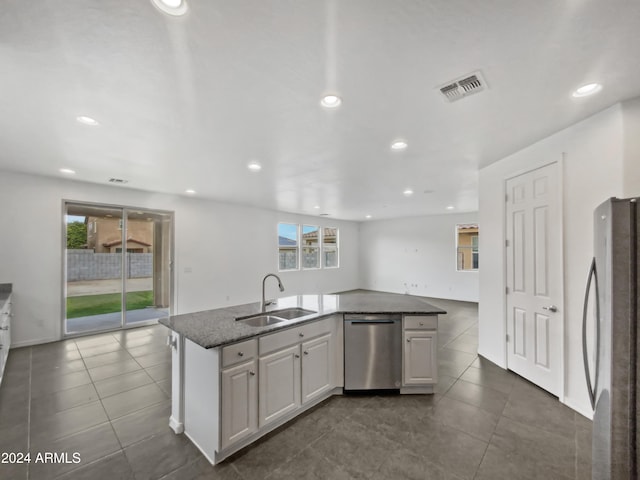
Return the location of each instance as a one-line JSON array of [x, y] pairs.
[[117, 267]]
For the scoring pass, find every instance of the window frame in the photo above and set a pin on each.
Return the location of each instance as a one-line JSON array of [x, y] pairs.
[[336, 248], [318, 247]]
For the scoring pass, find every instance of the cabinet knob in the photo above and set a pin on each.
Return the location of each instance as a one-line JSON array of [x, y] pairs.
[[421, 324], [252, 373], [6, 327], [297, 356], [408, 340], [301, 334], [240, 354], [306, 353]]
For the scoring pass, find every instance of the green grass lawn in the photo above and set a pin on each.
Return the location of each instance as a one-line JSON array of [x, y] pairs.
[[87, 305]]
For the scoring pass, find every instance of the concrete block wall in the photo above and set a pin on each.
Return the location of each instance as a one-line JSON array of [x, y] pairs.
[[87, 265]]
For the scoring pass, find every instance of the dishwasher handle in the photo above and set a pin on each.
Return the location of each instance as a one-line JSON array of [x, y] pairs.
[[370, 322]]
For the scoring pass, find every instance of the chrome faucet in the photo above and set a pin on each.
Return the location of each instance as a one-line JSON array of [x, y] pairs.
[[263, 305]]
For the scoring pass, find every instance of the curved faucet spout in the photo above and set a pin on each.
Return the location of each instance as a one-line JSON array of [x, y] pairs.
[[263, 305]]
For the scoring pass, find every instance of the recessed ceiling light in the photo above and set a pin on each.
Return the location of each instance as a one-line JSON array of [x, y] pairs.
[[190, 191], [87, 121], [331, 101], [68, 171], [367, 216], [408, 192], [171, 7], [398, 145], [254, 166], [450, 207], [586, 90], [317, 207]]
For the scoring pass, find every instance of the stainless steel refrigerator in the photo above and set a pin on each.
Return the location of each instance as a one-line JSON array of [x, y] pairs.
[[611, 357]]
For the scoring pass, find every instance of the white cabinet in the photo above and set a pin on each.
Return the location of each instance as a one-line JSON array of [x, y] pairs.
[[5, 334], [239, 392], [279, 384], [317, 367], [420, 348], [420, 358], [295, 371]]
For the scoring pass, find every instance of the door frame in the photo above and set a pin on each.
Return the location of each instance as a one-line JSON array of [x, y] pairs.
[[560, 162], [63, 270]]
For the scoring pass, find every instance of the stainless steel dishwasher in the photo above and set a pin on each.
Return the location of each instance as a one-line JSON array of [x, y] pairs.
[[372, 352]]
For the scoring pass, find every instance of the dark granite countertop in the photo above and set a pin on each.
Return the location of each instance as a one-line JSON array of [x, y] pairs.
[[213, 328]]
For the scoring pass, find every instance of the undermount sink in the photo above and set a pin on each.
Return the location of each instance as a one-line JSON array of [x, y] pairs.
[[260, 320], [291, 313], [276, 316]]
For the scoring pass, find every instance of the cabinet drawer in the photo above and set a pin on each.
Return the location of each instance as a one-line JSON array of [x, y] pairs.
[[276, 341], [420, 322], [239, 352]]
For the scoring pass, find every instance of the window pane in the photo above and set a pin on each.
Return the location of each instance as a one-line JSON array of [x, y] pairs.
[[310, 257], [287, 235], [330, 257], [467, 256], [329, 236], [288, 258], [310, 235]]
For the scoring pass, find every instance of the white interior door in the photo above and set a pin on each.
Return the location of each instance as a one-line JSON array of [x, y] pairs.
[[534, 277]]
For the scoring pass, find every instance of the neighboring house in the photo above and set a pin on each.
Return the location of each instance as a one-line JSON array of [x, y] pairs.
[[104, 235], [468, 247]]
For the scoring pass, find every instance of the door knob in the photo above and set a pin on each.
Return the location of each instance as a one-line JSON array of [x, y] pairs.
[[551, 308]]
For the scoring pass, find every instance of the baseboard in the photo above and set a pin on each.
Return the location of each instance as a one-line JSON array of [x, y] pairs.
[[585, 413], [31, 343], [176, 426]]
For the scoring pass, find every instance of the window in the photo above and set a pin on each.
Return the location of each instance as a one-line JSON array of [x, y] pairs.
[[316, 247], [330, 257], [467, 256], [287, 246], [310, 246]]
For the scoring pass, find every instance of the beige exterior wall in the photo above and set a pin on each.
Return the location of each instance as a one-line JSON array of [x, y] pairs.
[[102, 232]]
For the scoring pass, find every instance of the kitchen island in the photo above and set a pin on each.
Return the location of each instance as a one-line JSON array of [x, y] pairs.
[[233, 382]]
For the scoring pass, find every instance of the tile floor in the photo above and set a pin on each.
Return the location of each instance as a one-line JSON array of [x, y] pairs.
[[107, 397]]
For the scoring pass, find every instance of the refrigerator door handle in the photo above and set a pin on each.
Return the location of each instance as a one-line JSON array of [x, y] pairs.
[[593, 275]]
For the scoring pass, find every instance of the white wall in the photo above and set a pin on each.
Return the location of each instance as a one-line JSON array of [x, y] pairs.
[[417, 255], [593, 172], [631, 134], [228, 249]]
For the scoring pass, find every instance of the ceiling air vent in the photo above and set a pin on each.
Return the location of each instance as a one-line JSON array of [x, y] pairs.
[[463, 87], [119, 181]]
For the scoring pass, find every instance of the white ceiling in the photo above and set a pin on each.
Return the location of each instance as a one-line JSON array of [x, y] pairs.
[[187, 102]]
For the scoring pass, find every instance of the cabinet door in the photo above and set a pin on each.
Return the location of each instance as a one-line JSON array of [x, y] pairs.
[[279, 381], [317, 367], [420, 363], [239, 402]]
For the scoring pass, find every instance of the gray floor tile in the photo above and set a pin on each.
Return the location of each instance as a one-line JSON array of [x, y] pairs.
[[403, 464], [139, 425], [107, 358], [310, 464], [56, 383], [113, 467], [165, 386], [536, 449], [122, 383], [92, 351], [466, 418], [201, 469], [89, 445], [160, 372], [14, 438], [155, 358], [160, 455], [150, 347], [493, 401], [50, 428], [132, 400], [47, 405], [113, 369], [502, 380]]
